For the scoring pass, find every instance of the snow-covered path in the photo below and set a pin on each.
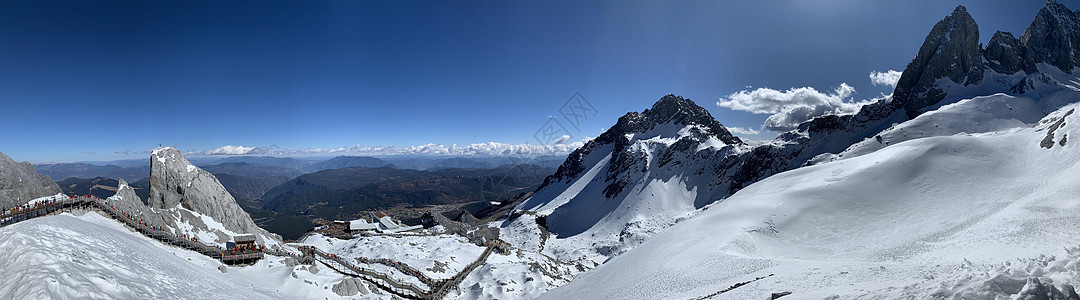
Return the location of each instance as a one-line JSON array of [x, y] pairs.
[[94, 257]]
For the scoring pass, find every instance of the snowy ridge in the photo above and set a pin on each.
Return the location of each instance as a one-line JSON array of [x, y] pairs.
[[902, 217], [969, 116], [644, 174]]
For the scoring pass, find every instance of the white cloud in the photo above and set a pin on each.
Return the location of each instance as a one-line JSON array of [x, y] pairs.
[[479, 149], [740, 130], [888, 78], [793, 106], [231, 150], [562, 139]]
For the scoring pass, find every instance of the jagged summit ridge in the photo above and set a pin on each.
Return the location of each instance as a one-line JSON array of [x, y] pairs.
[[951, 56], [670, 109], [952, 51], [1052, 38], [1004, 54]]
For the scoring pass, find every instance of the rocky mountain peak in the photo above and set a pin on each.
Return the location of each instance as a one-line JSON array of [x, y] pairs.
[[674, 110], [952, 51], [176, 182], [1004, 54], [20, 183], [670, 109], [1052, 38]]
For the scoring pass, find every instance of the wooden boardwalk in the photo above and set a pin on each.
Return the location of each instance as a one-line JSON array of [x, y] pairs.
[[49, 207], [435, 288]]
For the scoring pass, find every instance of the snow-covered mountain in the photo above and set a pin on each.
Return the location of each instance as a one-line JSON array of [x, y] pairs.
[[930, 193], [646, 172], [958, 185], [634, 181], [935, 217]]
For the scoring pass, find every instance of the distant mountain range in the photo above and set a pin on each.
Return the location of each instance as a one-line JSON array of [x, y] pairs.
[[284, 195], [133, 170], [61, 171], [349, 192]]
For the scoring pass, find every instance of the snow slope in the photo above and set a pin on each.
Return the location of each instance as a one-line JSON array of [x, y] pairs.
[[438, 257], [975, 115], [94, 257], [522, 275], [923, 218]]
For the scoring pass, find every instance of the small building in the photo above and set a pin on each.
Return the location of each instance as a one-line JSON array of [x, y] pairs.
[[388, 225], [338, 226], [382, 223], [361, 225], [244, 241]]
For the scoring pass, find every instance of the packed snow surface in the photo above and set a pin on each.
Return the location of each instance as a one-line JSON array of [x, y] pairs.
[[964, 215], [438, 257], [94, 257]]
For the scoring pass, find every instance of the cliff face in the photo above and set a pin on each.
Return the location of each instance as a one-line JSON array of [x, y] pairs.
[[1004, 54], [20, 183], [1052, 38], [951, 50], [177, 184]]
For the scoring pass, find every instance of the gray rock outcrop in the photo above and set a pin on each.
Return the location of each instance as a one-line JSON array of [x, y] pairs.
[[175, 182], [952, 51], [20, 183], [128, 202], [350, 287]]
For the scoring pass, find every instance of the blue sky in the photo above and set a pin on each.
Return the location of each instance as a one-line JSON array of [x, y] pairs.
[[90, 80]]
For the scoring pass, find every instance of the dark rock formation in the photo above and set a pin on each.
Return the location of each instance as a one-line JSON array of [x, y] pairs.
[[1053, 38], [1004, 54], [951, 50]]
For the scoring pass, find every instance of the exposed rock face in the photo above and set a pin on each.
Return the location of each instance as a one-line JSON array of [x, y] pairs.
[[175, 182], [20, 183], [350, 287], [126, 201], [950, 51], [1053, 38], [1004, 54], [670, 109]]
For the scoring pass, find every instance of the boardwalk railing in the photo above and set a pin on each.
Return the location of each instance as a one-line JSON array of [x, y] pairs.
[[47, 207], [437, 288]]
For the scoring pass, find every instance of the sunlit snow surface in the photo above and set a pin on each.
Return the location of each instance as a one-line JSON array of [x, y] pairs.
[[965, 215], [94, 257], [520, 275]]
